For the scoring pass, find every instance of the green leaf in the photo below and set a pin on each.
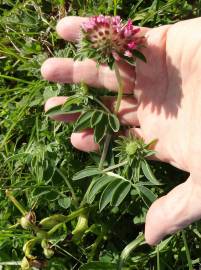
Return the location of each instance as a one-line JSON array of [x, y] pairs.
[[151, 144], [121, 192], [54, 111], [148, 173], [64, 202], [147, 193], [83, 121], [100, 131], [98, 266], [106, 196], [86, 173], [72, 100], [96, 118], [99, 184], [149, 153], [164, 243], [114, 122], [58, 110], [139, 55]]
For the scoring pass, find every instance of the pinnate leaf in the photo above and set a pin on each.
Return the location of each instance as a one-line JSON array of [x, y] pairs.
[[96, 118], [114, 122], [100, 131], [107, 194], [90, 171], [148, 173], [121, 192], [147, 193], [98, 186], [83, 121]]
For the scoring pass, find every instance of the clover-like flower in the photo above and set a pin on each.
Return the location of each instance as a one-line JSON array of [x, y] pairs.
[[106, 39]]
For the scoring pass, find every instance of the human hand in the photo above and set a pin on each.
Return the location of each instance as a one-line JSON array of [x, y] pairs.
[[168, 108]]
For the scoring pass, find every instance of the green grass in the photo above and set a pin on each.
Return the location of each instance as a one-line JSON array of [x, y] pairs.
[[37, 161]]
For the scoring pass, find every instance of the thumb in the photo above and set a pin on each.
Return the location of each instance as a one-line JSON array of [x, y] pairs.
[[179, 208]]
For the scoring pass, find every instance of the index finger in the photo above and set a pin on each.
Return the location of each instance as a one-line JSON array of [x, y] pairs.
[[68, 28]]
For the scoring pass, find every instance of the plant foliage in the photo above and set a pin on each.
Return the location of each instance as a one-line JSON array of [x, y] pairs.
[[84, 216]]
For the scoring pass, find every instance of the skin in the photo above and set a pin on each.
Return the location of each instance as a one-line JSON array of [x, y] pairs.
[[167, 106]]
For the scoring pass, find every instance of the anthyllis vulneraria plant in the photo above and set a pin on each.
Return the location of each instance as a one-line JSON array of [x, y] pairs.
[[108, 40], [121, 170]]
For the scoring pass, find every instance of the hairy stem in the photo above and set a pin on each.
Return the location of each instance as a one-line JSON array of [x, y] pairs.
[[158, 258], [16, 203], [120, 88], [101, 104], [105, 150], [95, 245], [68, 218], [111, 168], [116, 109], [74, 197], [115, 7]]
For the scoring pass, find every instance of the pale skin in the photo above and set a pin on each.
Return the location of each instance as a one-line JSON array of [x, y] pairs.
[[168, 108]]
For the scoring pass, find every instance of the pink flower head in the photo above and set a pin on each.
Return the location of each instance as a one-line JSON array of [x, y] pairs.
[[128, 54], [105, 37], [132, 45]]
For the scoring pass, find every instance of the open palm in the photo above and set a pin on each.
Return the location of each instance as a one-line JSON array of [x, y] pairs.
[[168, 108]]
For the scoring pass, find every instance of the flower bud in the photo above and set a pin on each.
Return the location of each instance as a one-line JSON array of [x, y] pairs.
[[131, 148]]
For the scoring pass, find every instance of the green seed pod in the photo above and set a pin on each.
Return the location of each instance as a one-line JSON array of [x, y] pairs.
[[44, 243], [25, 223], [131, 148], [49, 222], [27, 248], [41, 234], [25, 264], [28, 220], [48, 252], [81, 227]]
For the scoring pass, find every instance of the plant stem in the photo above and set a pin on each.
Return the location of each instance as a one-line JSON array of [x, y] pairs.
[[116, 109], [54, 229], [190, 266], [16, 203], [95, 245], [68, 218], [105, 150], [120, 89], [115, 7], [128, 249], [101, 104], [75, 199], [158, 258], [115, 166]]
